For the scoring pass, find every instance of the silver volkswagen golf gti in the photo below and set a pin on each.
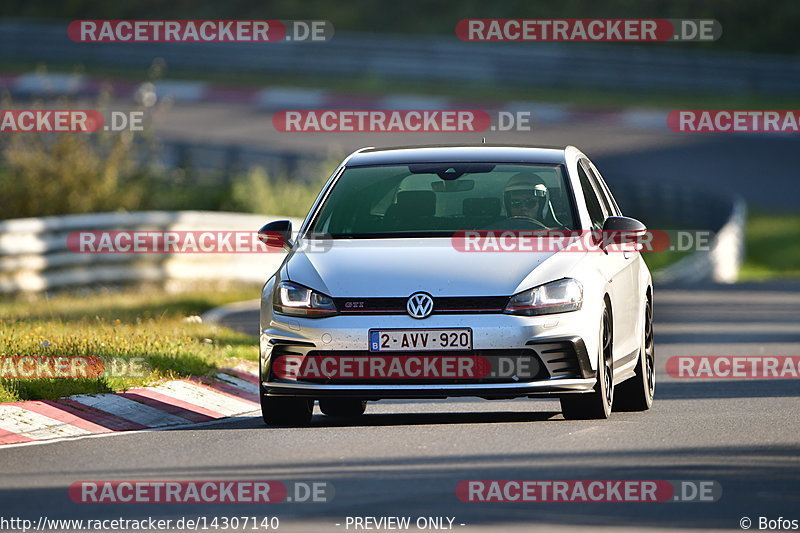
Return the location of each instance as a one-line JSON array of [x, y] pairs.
[[431, 272]]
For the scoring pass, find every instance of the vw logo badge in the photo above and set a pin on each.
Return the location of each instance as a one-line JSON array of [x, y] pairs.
[[420, 305]]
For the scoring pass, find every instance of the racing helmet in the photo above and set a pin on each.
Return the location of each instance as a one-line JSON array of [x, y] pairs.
[[530, 184]]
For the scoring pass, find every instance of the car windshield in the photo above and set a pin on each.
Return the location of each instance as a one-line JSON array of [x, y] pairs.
[[438, 199]]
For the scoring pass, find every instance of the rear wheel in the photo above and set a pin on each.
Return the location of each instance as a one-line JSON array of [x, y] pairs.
[[636, 394], [596, 404], [283, 411], [343, 407]]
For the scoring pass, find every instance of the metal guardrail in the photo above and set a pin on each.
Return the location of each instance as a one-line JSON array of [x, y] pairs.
[[230, 159], [670, 205], [430, 58], [34, 255]]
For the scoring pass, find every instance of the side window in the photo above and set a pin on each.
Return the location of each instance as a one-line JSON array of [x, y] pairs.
[[598, 189], [603, 191], [596, 213]]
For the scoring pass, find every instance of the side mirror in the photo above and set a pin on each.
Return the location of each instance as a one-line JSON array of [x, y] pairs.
[[624, 231], [276, 234]]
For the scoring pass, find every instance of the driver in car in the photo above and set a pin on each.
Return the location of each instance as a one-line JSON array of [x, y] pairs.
[[526, 197]]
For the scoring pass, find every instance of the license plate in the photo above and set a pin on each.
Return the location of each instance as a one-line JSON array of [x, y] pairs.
[[410, 340]]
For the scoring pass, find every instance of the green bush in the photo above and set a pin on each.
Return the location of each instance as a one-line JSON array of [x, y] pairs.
[[258, 192], [68, 173]]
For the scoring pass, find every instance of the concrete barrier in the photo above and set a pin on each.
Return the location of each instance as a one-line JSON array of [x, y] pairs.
[[721, 262]]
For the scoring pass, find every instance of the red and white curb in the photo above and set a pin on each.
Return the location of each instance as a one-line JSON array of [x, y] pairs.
[[231, 392]]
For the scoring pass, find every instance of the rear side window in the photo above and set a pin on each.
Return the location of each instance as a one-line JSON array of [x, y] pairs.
[[602, 190], [596, 213]]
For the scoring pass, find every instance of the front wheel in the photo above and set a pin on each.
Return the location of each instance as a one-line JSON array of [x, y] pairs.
[[283, 411], [595, 405], [637, 393]]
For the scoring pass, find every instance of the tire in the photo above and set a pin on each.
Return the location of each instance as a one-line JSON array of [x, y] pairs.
[[283, 411], [343, 407], [595, 405], [636, 394]]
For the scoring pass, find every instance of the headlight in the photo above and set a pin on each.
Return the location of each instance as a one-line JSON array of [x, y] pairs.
[[295, 300], [554, 297]]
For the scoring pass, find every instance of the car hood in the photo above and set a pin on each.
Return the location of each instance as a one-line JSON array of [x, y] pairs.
[[400, 267]]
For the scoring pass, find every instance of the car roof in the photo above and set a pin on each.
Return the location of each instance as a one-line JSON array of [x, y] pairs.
[[482, 153]]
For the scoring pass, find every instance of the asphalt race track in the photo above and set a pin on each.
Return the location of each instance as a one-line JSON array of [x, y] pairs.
[[405, 458]]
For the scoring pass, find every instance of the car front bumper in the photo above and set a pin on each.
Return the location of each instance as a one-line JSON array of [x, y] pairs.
[[559, 342]]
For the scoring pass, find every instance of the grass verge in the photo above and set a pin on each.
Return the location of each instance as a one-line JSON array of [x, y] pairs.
[[772, 247], [146, 327], [658, 260]]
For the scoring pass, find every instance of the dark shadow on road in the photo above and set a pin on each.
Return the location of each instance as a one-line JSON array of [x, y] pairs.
[[755, 481], [406, 419], [742, 389], [242, 321], [717, 338]]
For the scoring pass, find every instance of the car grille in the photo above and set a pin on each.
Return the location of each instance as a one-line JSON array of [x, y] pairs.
[[441, 305]]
